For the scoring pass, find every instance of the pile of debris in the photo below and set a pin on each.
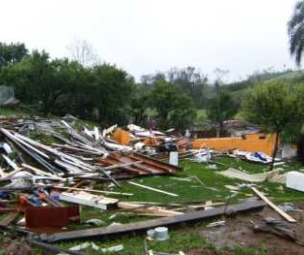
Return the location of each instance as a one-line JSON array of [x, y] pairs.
[[47, 166], [37, 177]]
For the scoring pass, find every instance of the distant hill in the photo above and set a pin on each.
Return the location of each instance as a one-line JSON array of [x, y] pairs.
[[239, 88]]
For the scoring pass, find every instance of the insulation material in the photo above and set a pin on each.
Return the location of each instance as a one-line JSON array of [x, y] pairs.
[[295, 180]]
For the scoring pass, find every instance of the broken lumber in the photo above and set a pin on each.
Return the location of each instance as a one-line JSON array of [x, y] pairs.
[[273, 206], [140, 209], [144, 225], [51, 248], [9, 218], [84, 198], [95, 191], [153, 189]]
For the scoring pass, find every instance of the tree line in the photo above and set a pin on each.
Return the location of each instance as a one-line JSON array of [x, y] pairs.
[[107, 94], [102, 92]]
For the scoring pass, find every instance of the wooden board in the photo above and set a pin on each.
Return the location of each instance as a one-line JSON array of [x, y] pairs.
[[144, 225], [84, 198], [273, 206]]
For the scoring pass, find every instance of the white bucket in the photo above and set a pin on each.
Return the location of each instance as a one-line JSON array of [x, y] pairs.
[[161, 234]]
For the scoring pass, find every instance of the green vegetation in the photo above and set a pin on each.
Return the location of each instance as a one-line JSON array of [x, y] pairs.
[[192, 191], [275, 105], [222, 108]]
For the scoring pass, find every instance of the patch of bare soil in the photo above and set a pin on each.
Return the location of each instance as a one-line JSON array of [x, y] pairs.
[[239, 232], [15, 247]]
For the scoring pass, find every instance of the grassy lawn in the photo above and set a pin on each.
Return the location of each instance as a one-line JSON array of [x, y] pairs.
[[206, 185]]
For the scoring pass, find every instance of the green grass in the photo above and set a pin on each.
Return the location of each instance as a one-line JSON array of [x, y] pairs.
[[201, 114], [8, 112], [20, 111], [190, 191], [137, 244]]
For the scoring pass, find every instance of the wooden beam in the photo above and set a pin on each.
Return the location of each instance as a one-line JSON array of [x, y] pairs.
[[148, 224], [140, 209], [84, 198], [273, 206], [9, 218], [153, 189], [95, 191]]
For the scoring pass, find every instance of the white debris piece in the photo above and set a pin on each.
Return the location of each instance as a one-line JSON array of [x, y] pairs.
[[295, 180], [95, 247]]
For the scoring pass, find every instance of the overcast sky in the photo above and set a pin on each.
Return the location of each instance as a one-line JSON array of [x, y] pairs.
[[145, 36]]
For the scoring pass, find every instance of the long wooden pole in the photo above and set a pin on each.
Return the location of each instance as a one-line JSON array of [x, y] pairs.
[[150, 188], [273, 206], [96, 191]]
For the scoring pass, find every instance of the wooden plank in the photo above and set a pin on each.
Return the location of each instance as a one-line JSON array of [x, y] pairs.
[[273, 206], [9, 218], [76, 185], [153, 189], [144, 225], [158, 162], [84, 198], [154, 164], [140, 209], [111, 160], [95, 191]]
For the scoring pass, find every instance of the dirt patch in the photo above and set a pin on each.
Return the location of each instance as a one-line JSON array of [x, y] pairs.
[[239, 232], [15, 247]]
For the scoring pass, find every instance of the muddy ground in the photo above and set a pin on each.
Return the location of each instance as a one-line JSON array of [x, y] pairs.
[[237, 231], [286, 239]]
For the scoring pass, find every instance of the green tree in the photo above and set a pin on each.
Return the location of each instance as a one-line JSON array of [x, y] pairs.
[[173, 107], [139, 105], [12, 53], [296, 32], [222, 107], [111, 92], [276, 105], [191, 81], [37, 79]]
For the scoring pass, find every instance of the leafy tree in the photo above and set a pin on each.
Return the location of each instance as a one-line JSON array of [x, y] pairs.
[[69, 79], [296, 32], [150, 79], [38, 79], [139, 105], [188, 80], [173, 107], [111, 92], [191, 81], [12, 53], [276, 105], [222, 107]]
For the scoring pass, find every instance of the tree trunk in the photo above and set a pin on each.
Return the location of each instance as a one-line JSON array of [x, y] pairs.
[[275, 150], [220, 129]]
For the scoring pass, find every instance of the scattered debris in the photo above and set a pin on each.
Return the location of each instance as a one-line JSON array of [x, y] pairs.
[[38, 178], [145, 225], [95, 247], [216, 224], [256, 178]]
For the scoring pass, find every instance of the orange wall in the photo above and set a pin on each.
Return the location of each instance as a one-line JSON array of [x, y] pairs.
[[253, 142]]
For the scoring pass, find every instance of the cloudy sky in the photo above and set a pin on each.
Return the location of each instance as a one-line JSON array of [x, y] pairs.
[[145, 36]]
